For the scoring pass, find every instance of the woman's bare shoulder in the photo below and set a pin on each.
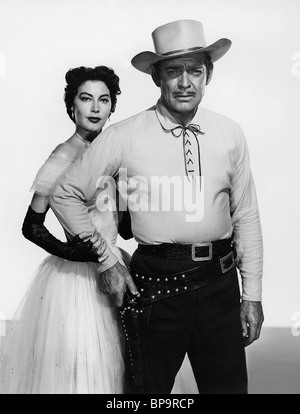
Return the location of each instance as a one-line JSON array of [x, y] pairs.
[[67, 151]]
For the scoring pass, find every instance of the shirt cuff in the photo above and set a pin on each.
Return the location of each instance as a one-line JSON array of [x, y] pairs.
[[109, 262], [252, 290]]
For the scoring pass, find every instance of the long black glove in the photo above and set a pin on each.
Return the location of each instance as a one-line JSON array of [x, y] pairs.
[[125, 225], [77, 250]]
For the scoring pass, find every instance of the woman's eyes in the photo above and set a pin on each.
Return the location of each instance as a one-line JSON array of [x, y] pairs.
[[87, 99]]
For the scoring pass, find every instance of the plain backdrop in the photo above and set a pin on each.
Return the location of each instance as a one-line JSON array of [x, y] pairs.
[[257, 84]]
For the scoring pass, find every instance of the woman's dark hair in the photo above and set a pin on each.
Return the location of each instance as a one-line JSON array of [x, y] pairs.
[[76, 77]]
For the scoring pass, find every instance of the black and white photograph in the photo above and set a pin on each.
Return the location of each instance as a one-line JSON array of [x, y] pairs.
[[150, 205]]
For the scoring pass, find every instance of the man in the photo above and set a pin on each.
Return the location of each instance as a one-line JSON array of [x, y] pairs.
[[183, 294]]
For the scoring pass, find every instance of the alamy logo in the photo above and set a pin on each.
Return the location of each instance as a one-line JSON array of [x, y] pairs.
[[152, 194], [296, 324]]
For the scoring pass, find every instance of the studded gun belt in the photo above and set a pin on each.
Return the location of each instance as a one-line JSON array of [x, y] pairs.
[[157, 287]]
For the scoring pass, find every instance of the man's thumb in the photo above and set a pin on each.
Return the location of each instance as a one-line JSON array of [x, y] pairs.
[[244, 328], [131, 286], [119, 299]]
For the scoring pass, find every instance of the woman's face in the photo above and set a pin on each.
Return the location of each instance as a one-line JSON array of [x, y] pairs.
[[92, 106]]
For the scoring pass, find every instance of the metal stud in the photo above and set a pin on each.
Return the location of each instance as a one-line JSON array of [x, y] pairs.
[[183, 276]]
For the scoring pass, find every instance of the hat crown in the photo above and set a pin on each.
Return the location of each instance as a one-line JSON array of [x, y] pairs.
[[178, 36]]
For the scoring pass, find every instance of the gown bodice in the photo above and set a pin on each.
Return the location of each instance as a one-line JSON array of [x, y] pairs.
[[105, 219]]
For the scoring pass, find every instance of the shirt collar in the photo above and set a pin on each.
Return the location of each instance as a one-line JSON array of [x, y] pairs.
[[169, 123], [166, 120]]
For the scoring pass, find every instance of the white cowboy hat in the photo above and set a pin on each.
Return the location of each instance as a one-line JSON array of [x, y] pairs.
[[181, 38]]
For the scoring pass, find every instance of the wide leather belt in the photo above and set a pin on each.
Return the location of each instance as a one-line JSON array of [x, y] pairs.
[[198, 252], [155, 287]]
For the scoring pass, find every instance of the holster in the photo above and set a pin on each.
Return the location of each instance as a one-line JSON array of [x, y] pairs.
[[135, 317]]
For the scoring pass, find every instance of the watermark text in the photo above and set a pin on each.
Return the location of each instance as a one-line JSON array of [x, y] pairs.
[[152, 194]]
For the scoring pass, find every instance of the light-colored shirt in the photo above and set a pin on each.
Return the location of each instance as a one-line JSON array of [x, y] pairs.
[[167, 200]]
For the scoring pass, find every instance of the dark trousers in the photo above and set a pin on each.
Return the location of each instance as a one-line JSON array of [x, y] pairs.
[[206, 325]]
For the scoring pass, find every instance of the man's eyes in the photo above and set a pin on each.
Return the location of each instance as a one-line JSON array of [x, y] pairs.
[[196, 71], [178, 72], [173, 72]]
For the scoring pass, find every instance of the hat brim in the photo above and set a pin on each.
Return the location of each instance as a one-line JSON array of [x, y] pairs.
[[144, 61]]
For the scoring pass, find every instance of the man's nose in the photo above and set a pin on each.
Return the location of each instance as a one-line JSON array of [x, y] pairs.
[[184, 80]]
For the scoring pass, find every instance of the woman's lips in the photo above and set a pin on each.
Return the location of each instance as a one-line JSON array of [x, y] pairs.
[[94, 120]]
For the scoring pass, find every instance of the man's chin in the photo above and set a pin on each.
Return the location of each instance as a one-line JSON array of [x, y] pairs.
[[185, 108]]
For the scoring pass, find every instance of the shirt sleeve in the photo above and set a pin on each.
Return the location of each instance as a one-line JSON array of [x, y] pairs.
[[247, 231], [81, 183]]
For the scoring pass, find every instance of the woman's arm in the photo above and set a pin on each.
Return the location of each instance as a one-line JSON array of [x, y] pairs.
[[77, 250], [40, 203]]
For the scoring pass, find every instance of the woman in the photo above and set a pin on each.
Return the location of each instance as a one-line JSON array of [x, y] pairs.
[[65, 338]]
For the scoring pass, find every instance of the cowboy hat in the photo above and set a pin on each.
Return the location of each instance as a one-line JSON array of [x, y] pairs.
[[177, 39]]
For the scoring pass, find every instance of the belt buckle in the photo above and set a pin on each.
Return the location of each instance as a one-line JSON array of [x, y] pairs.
[[224, 260], [202, 259]]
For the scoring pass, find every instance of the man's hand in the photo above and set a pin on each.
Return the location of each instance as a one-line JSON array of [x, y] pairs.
[[252, 318], [115, 281]]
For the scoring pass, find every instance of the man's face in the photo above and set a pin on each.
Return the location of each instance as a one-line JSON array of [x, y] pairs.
[[182, 82]]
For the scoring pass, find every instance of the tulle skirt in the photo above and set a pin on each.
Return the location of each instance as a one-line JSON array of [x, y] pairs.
[[65, 337]]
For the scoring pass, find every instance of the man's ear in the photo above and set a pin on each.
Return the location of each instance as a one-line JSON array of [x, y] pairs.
[[209, 76], [155, 77]]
